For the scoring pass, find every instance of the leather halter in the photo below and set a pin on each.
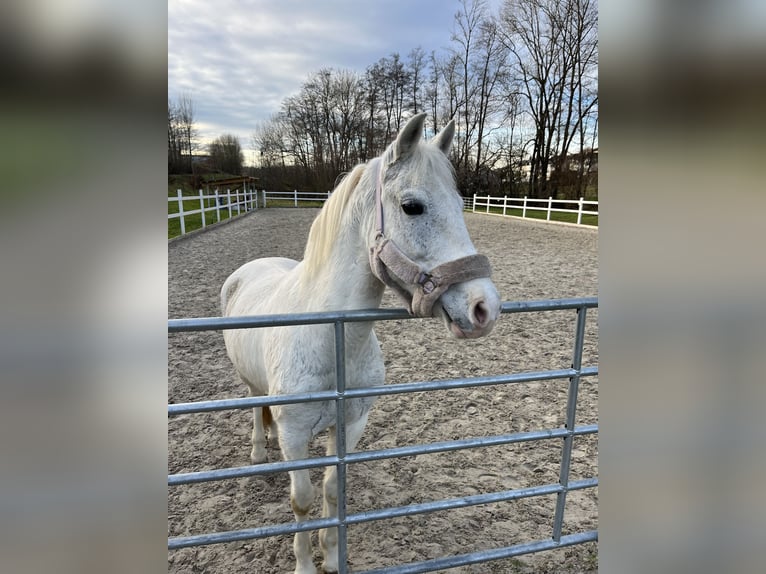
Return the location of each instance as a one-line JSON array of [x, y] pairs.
[[396, 270]]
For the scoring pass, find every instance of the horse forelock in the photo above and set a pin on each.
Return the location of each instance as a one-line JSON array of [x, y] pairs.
[[426, 164]]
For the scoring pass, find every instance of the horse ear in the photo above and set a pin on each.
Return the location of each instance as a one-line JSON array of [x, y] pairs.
[[444, 138], [409, 137]]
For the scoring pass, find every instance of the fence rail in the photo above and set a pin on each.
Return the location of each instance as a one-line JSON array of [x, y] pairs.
[[294, 196], [502, 206], [342, 459]]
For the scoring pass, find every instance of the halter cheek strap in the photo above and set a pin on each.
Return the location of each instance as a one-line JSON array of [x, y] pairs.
[[392, 266]]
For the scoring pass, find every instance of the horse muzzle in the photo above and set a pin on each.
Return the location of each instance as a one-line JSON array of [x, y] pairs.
[[469, 309]]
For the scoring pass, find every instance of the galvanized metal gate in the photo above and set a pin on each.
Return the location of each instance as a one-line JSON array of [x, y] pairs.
[[342, 459]]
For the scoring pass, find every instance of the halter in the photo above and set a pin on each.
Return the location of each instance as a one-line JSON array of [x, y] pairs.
[[394, 268]]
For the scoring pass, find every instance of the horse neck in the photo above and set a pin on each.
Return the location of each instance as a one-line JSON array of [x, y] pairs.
[[343, 279]]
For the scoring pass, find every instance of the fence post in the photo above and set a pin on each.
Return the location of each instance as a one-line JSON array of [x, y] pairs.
[[228, 201], [579, 211], [550, 204], [181, 212], [505, 204], [473, 207], [202, 207], [488, 202], [217, 207], [524, 207], [295, 196]]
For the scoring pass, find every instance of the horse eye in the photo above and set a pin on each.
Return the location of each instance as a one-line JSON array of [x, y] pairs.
[[412, 207]]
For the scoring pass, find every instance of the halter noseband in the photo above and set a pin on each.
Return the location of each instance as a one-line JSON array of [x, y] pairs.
[[392, 266]]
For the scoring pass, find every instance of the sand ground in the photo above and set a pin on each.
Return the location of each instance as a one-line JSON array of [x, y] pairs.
[[530, 261]]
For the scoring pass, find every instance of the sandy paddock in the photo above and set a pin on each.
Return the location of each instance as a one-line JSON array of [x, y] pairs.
[[530, 261]]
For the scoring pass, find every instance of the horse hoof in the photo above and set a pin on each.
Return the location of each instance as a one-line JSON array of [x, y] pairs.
[[259, 459]]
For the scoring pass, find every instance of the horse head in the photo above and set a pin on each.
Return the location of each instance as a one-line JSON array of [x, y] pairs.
[[420, 246]]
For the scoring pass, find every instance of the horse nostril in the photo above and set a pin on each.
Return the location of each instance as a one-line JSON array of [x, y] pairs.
[[480, 314]]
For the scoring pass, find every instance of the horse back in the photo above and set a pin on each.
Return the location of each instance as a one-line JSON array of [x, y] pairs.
[[247, 290]]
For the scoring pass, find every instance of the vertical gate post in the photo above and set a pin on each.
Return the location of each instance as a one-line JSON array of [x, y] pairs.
[[579, 211], [550, 204], [340, 441], [524, 207], [566, 449]]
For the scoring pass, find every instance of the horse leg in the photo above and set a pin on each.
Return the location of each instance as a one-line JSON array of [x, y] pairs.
[[258, 454], [328, 538], [301, 500]]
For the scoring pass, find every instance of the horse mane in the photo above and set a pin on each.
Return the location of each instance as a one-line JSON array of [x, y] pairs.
[[327, 224]]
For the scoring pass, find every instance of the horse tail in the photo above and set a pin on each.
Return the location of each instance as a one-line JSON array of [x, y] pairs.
[[267, 418], [230, 287]]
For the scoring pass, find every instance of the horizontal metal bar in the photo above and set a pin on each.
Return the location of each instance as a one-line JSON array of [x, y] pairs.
[[448, 384], [249, 402], [374, 455], [419, 386], [464, 501], [373, 515], [487, 555], [250, 533], [282, 320], [548, 305]]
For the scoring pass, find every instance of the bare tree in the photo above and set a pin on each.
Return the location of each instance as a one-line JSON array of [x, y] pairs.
[[226, 154], [521, 85], [174, 146], [479, 70], [182, 135], [553, 46], [416, 62]]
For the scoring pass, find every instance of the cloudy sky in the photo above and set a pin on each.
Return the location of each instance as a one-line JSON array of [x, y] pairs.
[[238, 59]]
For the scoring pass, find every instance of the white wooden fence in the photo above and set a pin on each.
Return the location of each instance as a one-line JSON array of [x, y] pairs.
[[233, 202], [209, 206], [295, 196], [526, 205]]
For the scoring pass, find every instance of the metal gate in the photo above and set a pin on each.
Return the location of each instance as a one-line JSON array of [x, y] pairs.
[[342, 459]]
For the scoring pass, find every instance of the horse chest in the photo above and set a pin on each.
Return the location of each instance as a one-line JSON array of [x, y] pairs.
[[308, 362]]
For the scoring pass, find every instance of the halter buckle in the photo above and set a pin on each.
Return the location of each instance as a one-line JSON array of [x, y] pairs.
[[426, 282]]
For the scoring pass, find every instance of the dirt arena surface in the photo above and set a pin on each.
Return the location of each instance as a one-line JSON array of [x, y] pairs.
[[530, 261]]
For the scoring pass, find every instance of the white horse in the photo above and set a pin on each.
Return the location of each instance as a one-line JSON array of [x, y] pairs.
[[423, 252]]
